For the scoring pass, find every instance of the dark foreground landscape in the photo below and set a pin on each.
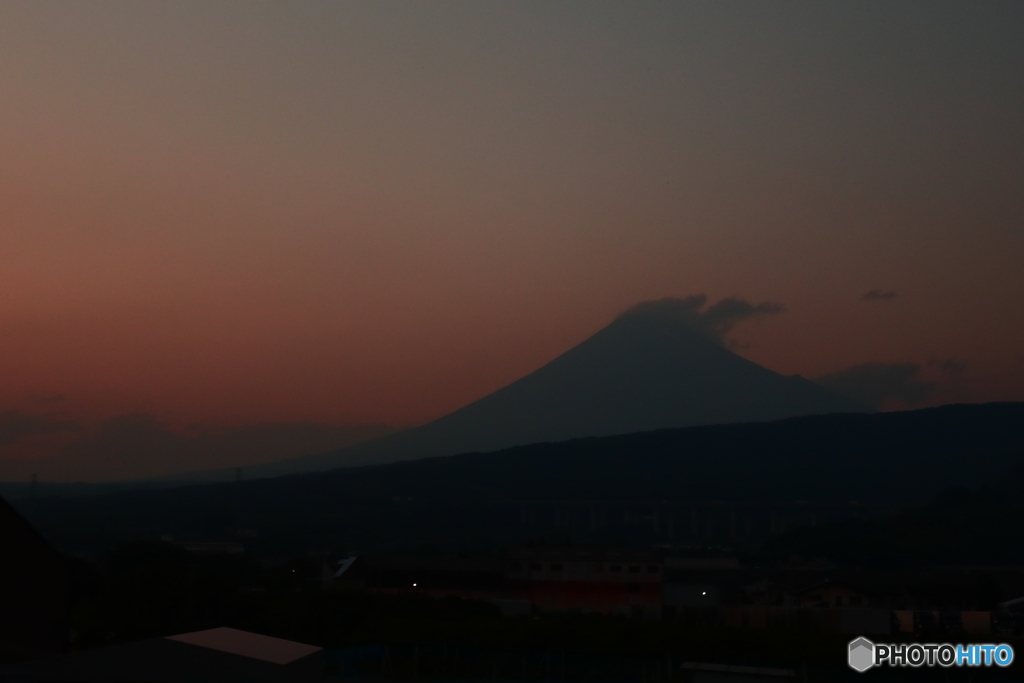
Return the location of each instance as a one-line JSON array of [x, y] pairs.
[[644, 557]]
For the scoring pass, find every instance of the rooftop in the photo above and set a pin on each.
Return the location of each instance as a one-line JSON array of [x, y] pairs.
[[254, 645]]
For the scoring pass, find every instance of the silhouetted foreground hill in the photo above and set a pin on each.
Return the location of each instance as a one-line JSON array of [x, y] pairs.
[[904, 457], [649, 369], [962, 525]]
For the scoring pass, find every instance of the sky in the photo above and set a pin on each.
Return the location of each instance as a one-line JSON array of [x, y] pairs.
[[315, 221]]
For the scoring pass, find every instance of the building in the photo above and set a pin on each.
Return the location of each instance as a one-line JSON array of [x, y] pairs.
[[832, 593], [220, 655], [469, 577], [699, 582], [708, 591], [550, 578], [587, 579]]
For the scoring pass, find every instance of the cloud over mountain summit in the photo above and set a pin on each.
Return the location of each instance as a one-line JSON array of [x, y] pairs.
[[714, 321]]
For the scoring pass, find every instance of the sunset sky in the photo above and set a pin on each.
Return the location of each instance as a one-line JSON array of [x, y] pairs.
[[218, 218]]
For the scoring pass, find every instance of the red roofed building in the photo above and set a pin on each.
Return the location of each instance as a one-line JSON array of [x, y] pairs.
[[597, 580], [219, 655]]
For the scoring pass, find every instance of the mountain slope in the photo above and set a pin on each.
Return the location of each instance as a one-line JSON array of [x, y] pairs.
[[642, 372], [882, 458]]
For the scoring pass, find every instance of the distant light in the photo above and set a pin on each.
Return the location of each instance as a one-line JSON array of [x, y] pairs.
[[414, 585], [703, 592]]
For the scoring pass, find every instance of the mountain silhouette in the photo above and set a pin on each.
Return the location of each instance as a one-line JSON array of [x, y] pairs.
[[644, 371], [884, 461]]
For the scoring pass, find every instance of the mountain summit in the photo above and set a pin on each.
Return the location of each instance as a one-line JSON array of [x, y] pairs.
[[661, 364]]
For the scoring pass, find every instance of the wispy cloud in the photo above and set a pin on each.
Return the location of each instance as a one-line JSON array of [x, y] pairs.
[[16, 425], [714, 321], [950, 366], [875, 383], [879, 295]]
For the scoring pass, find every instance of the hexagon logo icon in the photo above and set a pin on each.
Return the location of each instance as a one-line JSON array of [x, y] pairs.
[[861, 654]]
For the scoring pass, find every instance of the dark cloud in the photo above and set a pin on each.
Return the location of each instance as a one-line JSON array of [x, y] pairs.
[[714, 321], [950, 366], [879, 295], [875, 383], [16, 425], [140, 446], [724, 315]]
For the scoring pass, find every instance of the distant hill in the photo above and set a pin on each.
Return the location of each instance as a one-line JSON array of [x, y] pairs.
[[18, 490], [962, 525], [904, 457], [644, 371]]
